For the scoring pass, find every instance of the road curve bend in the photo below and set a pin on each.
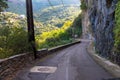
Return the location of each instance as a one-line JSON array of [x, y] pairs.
[[72, 63]]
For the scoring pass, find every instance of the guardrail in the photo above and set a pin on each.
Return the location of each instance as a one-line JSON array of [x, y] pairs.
[[44, 52]]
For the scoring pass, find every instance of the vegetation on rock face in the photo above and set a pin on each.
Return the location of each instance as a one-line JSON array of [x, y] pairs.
[[77, 26], [83, 5], [117, 28]]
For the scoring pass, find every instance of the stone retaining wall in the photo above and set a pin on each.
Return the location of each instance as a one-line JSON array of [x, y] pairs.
[[10, 65]]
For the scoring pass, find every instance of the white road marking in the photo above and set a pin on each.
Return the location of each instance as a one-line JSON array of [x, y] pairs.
[[67, 69]]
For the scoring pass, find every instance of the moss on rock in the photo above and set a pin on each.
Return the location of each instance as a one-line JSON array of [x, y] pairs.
[[117, 28]]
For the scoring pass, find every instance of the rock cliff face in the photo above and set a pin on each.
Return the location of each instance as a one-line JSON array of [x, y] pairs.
[[101, 16]]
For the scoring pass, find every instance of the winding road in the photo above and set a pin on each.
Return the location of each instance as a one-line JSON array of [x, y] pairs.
[[72, 63]]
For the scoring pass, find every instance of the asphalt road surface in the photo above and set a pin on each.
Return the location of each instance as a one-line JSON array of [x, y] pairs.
[[72, 63]]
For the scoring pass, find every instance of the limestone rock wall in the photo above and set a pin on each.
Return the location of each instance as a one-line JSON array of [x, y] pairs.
[[102, 20]]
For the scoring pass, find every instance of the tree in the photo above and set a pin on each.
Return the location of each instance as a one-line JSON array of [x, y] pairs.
[[3, 5]]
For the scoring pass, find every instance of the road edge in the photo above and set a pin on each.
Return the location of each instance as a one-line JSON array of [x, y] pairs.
[[110, 67]]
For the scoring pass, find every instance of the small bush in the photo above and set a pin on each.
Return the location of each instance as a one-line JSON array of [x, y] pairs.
[[4, 53], [13, 35], [12, 41], [83, 6]]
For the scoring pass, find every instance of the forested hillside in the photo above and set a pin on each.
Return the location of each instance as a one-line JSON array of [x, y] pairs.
[[12, 33], [57, 15], [19, 6], [54, 25]]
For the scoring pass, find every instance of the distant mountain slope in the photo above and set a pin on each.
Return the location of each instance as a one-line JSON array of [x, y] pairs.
[[57, 15], [51, 16], [19, 6], [15, 20]]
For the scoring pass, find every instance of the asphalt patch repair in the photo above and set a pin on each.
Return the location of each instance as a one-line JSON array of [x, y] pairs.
[[43, 69]]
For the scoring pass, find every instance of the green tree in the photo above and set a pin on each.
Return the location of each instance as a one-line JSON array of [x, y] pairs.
[[13, 35], [83, 5], [3, 5]]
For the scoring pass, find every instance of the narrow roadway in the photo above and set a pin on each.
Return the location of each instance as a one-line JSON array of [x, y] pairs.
[[72, 63]]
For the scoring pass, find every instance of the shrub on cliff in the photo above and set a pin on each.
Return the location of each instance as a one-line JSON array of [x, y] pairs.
[[117, 28], [77, 25], [83, 5]]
